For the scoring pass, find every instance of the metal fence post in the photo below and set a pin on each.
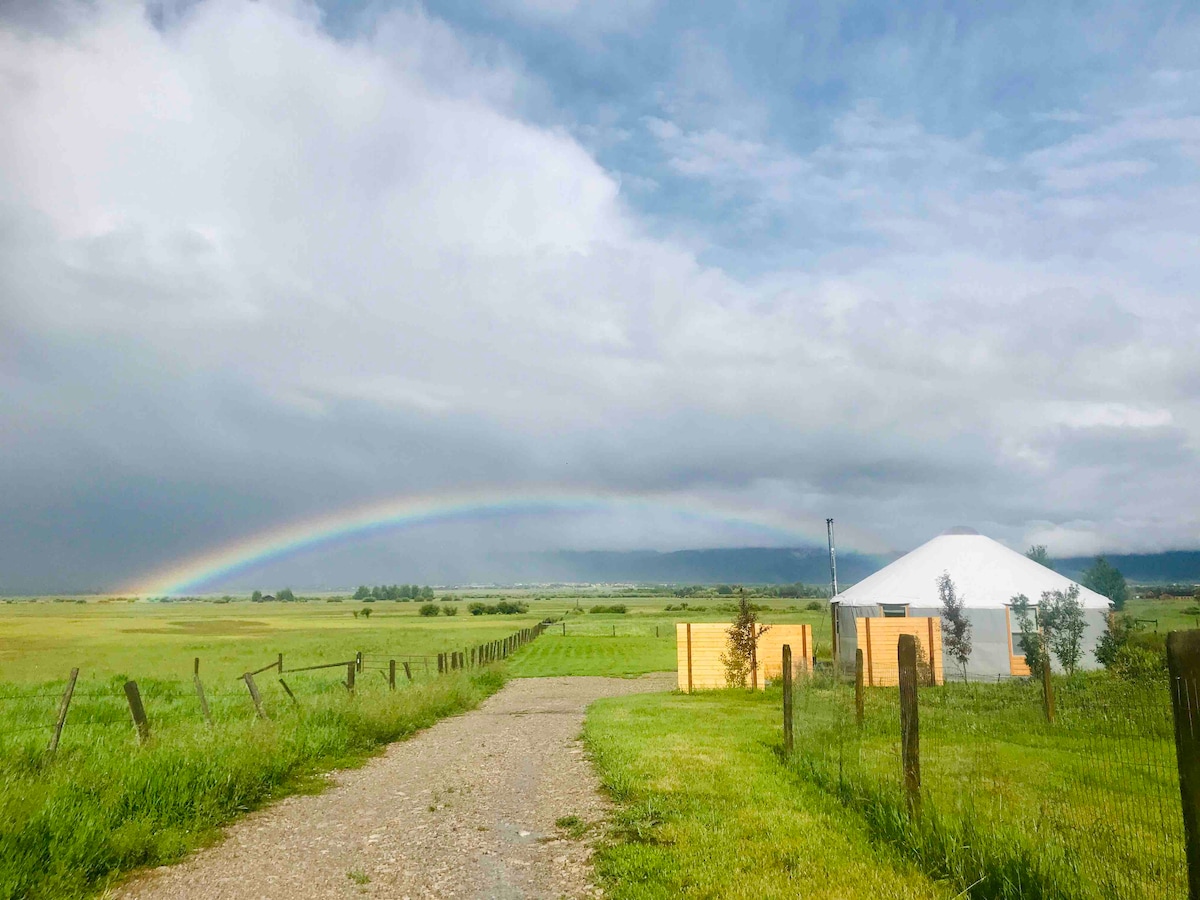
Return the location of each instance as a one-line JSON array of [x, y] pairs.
[[1183, 664]]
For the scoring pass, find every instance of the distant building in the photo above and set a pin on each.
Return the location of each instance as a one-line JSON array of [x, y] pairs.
[[986, 575]]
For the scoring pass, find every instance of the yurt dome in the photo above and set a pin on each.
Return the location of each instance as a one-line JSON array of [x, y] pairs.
[[986, 574]]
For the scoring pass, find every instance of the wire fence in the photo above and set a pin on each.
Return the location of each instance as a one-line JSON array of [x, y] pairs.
[[81, 710], [1011, 803]]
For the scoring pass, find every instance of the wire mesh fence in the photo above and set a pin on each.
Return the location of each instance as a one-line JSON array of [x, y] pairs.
[[1012, 804]]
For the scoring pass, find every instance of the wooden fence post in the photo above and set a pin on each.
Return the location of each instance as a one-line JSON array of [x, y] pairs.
[[787, 699], [910, 726], [392, 674], [407, 671], [350, 678], [1047, 688], [1183, 664], [287, 690], [62, 713], [441, 664], [253, 689], [358, 661], [137, 711], [200, 692], [858, 687]]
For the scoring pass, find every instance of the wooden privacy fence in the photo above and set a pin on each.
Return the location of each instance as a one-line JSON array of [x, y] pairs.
[[700, 646], [879, 638]]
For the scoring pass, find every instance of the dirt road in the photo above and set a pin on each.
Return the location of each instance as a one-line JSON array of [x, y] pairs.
[[465, 809]]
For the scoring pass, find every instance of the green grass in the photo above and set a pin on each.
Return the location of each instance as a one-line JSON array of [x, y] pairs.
[[598, 654], [705, 809], [105, 805], [1013, 806]]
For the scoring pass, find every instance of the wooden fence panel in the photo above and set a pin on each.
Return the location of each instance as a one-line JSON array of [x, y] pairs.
[[879, 636], [708, 641]]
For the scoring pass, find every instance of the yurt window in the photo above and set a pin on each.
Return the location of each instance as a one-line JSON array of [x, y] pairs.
[[1017, 631], [894, 610]]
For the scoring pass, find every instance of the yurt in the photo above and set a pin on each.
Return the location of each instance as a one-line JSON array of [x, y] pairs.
[[986, 575]]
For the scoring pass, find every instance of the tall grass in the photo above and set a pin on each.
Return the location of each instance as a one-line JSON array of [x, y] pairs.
[[105, 805]]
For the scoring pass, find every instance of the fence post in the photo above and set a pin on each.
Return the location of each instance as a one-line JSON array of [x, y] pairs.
[[287, 690], [407, 671], [358, 661], [910, 740], [350, 678], [1047, 688], [1183, 663], [392, 674], [200, 692], [564, 624], [62, 713], [858, 687], [280, 663], [137, 711], [787, 699], [253, 689], [441, 663]]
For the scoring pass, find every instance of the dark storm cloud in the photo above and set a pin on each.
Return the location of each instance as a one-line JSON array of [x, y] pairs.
[[251, 272]]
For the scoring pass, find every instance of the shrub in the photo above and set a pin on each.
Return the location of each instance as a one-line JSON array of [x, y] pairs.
[[503, 608], [429, 609], [814, 605], [449, 610], [615, 608]]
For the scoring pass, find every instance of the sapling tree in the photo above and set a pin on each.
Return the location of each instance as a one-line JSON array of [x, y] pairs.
[[1063, 624], [742, 643], [1025, 616], [956, 627]]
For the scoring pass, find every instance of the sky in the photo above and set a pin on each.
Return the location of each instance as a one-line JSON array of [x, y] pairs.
[[907, 265]]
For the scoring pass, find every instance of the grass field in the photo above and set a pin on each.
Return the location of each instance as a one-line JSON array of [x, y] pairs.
[[706, 807], [707, 810], [105, 805]]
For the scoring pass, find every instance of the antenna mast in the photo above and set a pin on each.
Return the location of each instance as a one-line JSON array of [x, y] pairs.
[[832, 558]]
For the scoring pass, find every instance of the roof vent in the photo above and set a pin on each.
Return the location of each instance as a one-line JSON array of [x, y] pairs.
[[960, 529]]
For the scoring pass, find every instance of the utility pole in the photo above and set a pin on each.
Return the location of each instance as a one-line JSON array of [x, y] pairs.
[[832, 559]]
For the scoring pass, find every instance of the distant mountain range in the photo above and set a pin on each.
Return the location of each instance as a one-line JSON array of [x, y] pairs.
[[781, 565]]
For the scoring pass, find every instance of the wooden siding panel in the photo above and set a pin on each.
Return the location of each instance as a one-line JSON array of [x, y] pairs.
[[881, 636], [709, 643]]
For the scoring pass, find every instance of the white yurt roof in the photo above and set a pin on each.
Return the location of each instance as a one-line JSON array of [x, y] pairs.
[[985, 574]]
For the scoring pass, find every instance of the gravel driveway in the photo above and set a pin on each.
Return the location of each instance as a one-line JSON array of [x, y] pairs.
[[464, 809]]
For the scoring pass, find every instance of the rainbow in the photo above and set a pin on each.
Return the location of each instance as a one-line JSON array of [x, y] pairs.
[[190, 575]]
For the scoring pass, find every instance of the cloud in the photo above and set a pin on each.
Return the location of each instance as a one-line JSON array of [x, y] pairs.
[[251, 272]]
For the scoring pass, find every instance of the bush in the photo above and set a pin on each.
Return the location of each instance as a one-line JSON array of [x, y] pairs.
[[814, 605], [449, 610], [503, 608], [429, 609], [615, 608]]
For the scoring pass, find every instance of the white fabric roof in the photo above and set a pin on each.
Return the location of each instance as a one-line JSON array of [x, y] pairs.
[[985, 573]]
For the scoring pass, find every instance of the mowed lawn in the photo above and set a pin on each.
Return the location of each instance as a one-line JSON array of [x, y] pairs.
[[705, 809]]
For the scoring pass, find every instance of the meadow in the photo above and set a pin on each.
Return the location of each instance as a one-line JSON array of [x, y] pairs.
[[706, 804]]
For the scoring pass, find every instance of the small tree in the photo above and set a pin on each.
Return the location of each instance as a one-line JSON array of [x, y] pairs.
[[1105, 578], [366, 614], [1039, 555], [362, 593], [256, 597], [1063, 625], [957, 635], [430, 609], [742, 643], [285, 595], [1031, 641]]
